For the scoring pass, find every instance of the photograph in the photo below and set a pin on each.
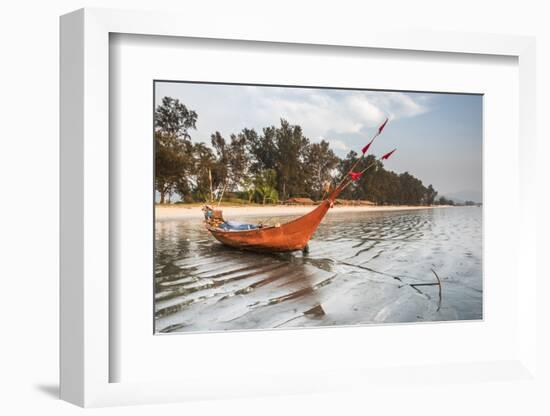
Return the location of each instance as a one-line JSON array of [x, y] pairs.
[[283, 206], [249, 208]]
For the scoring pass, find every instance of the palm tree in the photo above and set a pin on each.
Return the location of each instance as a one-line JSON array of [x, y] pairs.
[[264, 186], [267, 193]]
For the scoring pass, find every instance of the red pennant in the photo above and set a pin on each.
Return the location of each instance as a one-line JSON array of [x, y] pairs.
[[364, 149], [382, 126], [387, 155], [355, 175]]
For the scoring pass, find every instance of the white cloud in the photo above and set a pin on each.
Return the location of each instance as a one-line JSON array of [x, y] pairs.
[[359, 107], [338, 144], [322, 113]]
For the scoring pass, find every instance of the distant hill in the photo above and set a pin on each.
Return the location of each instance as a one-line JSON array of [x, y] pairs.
[[463, 196]]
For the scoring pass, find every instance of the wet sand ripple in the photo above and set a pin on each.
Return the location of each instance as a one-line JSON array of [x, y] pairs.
[[358, 271]]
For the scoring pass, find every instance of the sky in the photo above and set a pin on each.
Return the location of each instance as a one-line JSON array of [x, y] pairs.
[[438, 136]]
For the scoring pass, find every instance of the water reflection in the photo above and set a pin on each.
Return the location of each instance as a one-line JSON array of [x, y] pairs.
[[358, 270]]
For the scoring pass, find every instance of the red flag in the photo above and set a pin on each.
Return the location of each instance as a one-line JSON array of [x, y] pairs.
[[387, 155], [364, 149], [355, 175], [382, 126]]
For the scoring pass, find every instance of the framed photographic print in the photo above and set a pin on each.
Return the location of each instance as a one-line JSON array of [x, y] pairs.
[[281, 159], [248, 215]]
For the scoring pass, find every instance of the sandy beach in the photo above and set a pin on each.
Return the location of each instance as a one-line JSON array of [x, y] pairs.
[[184, 212]]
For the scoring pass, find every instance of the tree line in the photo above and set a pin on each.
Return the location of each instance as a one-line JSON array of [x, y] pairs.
[[264, 167]]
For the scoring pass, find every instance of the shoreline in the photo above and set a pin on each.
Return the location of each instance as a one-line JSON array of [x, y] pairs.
[[188, 212]]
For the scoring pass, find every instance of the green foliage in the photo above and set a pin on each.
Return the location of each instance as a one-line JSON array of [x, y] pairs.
[[276, 164], [173, 148], [384, 187], [430, 195], [444, 201], [261, 149], [320, 161], [174, 119], [263, 187], [291, 147], [204, 163]]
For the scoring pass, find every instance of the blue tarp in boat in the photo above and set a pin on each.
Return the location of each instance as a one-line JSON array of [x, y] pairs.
[[236, 226]]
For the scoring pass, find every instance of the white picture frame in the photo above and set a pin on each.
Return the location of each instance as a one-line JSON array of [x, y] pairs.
[[85, 213]]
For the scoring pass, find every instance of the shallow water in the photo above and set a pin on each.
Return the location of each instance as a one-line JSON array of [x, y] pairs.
[[361, 268]]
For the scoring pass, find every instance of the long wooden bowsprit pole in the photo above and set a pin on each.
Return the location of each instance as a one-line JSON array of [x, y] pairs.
[[355, 176], [364, 150]]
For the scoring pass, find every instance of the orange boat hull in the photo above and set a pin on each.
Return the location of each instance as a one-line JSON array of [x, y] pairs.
[[291, 236]]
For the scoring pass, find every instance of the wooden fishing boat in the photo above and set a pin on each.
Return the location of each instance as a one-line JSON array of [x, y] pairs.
[[290, 236]]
